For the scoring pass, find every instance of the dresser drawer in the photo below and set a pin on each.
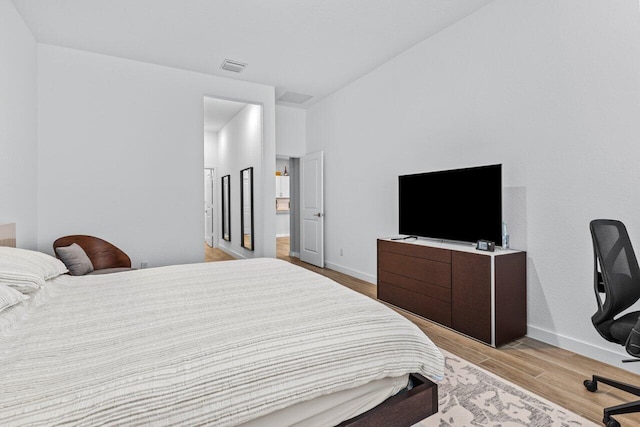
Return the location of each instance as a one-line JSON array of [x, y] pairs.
[[417, 251], [437, 273], [417, 303], [441, 293]]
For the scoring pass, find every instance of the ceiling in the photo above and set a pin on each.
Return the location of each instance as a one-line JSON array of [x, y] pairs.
[[218, 112], [309, 47]]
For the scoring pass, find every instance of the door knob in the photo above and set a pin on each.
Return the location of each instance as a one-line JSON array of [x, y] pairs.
[[318, 215]]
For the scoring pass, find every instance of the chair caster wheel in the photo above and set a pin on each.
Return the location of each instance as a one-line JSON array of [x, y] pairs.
[[612, 423], [592, 386]]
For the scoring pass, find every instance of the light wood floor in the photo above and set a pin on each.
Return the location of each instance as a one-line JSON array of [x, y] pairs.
[[548, 371], [211, 254]]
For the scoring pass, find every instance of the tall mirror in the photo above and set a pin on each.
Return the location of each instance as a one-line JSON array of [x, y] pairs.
[[226, 208], [246, 208]]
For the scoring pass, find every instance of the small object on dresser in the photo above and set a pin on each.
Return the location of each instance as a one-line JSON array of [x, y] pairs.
[[505, 236], [486, 245]]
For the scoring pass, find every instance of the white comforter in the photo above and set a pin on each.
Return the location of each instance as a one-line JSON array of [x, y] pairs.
[[218, 343]]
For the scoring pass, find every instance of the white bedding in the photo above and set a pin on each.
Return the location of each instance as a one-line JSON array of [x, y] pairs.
[[218, 343]]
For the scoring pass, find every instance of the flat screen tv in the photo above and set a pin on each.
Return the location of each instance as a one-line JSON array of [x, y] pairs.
[[461, 205]]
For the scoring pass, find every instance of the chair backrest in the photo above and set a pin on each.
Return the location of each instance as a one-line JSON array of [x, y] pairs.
[[101, 253], [619, 272]]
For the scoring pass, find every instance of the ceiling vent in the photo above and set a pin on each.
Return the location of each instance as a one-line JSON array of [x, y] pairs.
[[294, 98], [233, 66]]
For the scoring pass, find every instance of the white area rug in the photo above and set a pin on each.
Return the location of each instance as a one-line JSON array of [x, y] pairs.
[[472, 396]]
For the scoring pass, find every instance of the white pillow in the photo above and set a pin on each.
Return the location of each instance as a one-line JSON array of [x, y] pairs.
[[10, 297], [27, 270]]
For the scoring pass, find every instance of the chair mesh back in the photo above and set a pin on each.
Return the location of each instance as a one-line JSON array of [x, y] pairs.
[[618, 265]]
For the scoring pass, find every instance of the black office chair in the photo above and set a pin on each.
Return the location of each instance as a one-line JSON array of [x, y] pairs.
[[616, 277]]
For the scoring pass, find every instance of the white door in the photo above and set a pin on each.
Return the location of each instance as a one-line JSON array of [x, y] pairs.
[[312, 209], [209, 207]]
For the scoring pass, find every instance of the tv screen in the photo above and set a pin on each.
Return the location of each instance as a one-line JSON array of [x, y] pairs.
[[463, 205]]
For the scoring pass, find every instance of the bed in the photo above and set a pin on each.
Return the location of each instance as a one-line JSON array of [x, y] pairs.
[[257, 342]]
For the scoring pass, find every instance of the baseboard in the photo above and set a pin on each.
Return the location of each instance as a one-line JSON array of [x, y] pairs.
[[354, 273], [294, 254], [611, 357], [232, 253]]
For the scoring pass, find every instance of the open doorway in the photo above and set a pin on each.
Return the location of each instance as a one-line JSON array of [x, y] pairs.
[[306, 208], [288, 235], [217, 114], [233, 138]]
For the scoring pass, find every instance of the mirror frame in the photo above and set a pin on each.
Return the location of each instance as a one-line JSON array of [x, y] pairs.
[[226, 208], [251, 246]]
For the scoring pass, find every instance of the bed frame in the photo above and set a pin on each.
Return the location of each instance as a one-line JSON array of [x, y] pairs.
[[402, 410]]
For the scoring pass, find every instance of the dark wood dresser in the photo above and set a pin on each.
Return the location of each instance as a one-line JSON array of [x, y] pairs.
[[480, 294]]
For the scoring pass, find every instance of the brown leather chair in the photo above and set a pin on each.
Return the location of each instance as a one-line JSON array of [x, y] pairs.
[[105, 257]]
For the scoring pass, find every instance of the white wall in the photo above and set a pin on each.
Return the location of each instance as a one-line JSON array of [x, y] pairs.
[[120, 154], [291, 142], [549, 89], [282, 224], [290, 131], [18, 126], [210, 149], [239, 148]]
